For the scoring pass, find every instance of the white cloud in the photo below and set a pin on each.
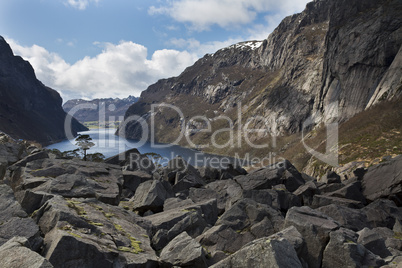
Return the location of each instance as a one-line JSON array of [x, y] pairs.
[[80, 4], [261, 31], [202, 14], [253, 32], [120, 70]]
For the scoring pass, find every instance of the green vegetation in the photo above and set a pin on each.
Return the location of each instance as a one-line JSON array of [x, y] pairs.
[[95, 157], [125, 204], [95, 223], [134, 243], [108, 215], [66, 228], [189, 210], [75, 205], [97, 124], [74, 234], [33, 214], [85, 143], [398, 235], [367, 137], [118, 227]]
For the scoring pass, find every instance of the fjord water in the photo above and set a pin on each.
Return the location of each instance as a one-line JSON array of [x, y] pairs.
[[107, 143]]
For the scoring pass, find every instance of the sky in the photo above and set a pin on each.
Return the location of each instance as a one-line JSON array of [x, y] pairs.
[[115, 48]]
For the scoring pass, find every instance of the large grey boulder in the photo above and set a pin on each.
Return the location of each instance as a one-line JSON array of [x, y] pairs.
[[32, 157], [280, 173], [329, 188], [23, 227], [245, 221], [263, 253], [282, 199], [246, 213], [343, 250], [151, 195], [185, 181], [177, 203], [183, 251], [306, 193], [90, 233], [222, 240], [132, 160], [71, 179], [201, 194], [10, 151], [81, 186], [374, 240], [315, 228], [293, 236], [208, 208], [16, 253], [72, 249], [267, 197], [133, 179], [229, 191], [383, 213], [9, 206], [350, 191], [325, 200], [191, 219], [384, 181], [32, 200], [353, 219], [14, 221], [182, 175]]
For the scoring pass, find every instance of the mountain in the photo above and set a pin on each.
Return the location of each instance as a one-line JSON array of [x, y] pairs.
[[332, 61], [112, 107], [28, 109]]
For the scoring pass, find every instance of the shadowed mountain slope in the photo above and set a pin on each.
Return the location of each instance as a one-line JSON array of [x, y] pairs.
[[28, 109]]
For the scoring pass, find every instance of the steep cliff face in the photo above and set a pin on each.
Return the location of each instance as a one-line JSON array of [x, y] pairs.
[[334, 59], [28, 109]]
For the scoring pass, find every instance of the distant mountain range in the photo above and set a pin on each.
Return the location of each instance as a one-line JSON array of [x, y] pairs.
[[28, 109], [92, 110]]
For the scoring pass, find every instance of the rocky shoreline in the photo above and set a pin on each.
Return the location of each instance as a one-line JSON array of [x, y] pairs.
[[60, 212]]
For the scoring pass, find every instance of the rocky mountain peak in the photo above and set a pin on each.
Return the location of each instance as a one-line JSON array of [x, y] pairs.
[[342, 54], [5, 48]]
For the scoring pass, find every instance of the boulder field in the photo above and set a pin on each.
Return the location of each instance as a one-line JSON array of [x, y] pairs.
[[59, 212]]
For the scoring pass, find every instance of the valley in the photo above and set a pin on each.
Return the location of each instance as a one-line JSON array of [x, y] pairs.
[[281, 152]]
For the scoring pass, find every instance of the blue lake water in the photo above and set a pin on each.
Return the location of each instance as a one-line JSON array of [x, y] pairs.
[[107, 143]]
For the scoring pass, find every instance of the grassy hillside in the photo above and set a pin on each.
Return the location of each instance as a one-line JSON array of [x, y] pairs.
[[367, 137]]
